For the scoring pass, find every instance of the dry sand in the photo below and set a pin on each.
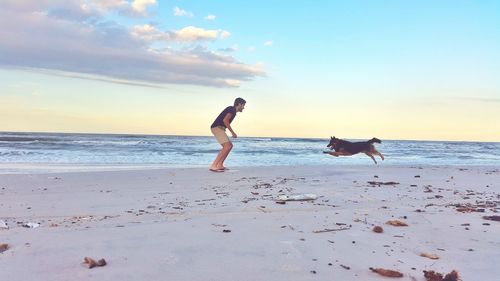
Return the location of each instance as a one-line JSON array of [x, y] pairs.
[[192, 224]]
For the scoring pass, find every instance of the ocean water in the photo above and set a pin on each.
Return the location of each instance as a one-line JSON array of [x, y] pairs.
[[31, 152]]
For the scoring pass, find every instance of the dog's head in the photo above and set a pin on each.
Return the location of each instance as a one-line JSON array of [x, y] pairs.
[[334, 142]]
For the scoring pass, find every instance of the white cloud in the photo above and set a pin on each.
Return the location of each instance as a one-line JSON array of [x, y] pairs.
[[140, 6], [105, 5], [224, 34], [251, 49], [149, 33], [85, 44], [268, 43], [182, 13], [191, 33], [210, 17], [80, 10], [187, 34], [233, 83]]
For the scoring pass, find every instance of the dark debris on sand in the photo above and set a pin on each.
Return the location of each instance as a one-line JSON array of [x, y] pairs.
[[436, 276], [492, 218], [379, 183]]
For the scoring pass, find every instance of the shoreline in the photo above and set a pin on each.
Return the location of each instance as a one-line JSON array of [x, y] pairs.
[[51, 168], [192, 224]]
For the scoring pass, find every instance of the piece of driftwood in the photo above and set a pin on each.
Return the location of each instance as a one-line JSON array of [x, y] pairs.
[[387, 272]]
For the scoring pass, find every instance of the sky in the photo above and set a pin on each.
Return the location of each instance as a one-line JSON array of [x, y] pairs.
[[410, 70]]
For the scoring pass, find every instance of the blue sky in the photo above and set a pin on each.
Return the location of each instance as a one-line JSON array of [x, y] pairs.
[[355, 69]]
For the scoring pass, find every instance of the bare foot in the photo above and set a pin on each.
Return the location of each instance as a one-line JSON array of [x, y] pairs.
[[216, 169]]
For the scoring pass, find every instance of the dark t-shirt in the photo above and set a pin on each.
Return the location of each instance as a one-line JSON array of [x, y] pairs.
[[219, 121]]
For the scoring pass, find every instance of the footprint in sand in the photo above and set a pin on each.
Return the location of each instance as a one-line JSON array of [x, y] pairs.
[[171, 259]]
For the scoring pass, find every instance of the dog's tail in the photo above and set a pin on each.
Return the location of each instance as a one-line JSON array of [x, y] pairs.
[[374, 140]]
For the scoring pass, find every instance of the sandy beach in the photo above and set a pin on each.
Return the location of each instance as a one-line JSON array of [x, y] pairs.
[[192, 224]]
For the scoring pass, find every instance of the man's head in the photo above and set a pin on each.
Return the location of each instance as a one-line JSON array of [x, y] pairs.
[[239, 103]]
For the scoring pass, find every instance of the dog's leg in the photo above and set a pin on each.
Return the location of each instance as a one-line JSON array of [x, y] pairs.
[[379, 154], [373, 150], [371, 156], [344, 153], [338, 153]]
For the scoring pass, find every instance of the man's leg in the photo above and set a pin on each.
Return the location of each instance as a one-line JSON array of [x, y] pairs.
[[222, 155], [217, 159], [226, 148]]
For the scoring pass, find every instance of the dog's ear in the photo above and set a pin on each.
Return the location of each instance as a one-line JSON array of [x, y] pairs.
[[331, 138]]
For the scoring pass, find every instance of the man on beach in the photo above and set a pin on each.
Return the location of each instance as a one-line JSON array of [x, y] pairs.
[[221, 123]]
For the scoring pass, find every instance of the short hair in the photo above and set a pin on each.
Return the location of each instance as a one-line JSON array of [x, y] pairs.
[[238, 101]]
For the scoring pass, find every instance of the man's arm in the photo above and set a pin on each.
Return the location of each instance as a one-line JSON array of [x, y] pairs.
[[228, 125]]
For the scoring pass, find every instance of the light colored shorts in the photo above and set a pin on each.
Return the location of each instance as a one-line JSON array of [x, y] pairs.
[[220, 134]]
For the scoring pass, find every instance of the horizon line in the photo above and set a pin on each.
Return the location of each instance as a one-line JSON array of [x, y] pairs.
[[271, 137]]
